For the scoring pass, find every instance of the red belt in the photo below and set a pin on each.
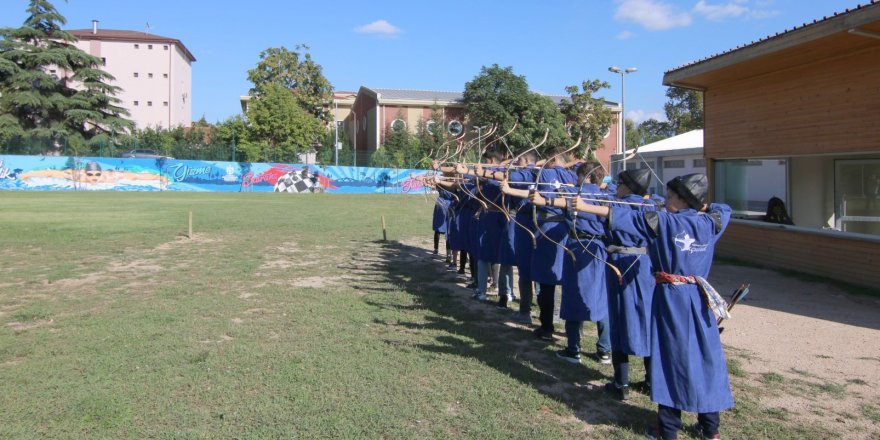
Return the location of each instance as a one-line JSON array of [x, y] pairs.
[[669, 278]]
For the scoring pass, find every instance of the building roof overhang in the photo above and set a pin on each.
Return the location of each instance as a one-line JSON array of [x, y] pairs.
[[129, 36], [841, 34]]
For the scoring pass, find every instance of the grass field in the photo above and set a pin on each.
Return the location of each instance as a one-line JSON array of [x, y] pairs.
[[285, 316]]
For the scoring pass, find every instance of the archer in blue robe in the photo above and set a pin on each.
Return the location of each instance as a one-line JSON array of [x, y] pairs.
[[688, 368]]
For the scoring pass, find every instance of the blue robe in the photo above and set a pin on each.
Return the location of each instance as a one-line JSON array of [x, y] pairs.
[[441, 210], [584, 292], [548, 257], [521, 241], [493, 222], [629, 305], [688, 369]]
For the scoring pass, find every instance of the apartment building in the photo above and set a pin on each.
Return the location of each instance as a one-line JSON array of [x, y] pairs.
[[154, 73]]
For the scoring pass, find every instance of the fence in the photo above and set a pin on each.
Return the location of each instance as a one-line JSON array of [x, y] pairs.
[[211, 151], [123, 174]]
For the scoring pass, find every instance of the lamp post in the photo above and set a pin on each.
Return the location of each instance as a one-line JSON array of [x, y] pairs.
[[479, 141], [313, 149], [354, 137], [336, 132], [623, 73]]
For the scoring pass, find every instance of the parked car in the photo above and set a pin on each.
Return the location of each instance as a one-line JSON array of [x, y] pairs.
[[144, 154]]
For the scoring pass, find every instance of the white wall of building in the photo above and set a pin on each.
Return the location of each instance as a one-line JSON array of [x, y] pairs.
[[155, 78]]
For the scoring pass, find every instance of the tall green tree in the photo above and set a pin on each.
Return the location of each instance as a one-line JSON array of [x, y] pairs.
[[299, 73], [684, 109], [277, 120], [76, 104], [647, 132], [587, 116]]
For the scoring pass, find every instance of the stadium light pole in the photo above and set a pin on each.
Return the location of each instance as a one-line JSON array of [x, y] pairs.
[[354, 137], [623, 73]]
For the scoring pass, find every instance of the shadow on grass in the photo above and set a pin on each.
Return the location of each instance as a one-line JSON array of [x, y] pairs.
[[480, 331]]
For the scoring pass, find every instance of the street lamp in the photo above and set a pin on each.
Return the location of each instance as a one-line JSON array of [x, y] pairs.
[[623, 73], [479, 141], [354, 137]]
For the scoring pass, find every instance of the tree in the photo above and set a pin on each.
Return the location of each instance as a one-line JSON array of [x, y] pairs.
[[76, 105], [588, 117], [647, 132], [684, 109], [281, 124], [498, 97], [298, 73]]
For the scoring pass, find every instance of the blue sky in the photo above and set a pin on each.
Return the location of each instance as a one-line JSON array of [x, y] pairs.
[[442, 45]]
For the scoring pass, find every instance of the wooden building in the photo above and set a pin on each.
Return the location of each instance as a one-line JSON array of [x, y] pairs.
[[807, 98]]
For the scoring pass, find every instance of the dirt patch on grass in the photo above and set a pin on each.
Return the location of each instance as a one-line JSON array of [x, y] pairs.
[[312, 282], [28, 325], [136, 267]]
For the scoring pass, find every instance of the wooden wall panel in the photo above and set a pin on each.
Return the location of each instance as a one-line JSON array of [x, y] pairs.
[[852, 260], [820, 108]]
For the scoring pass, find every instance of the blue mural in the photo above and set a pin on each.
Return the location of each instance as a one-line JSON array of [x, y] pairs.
[[122, 174]]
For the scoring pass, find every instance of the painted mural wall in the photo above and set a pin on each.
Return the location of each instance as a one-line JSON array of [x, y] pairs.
[[51, 173]]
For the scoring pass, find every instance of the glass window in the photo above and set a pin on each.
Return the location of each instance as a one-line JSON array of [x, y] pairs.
[[165, 47], [137, 46], [455, 128], [150, 46], [429, 126], [149, 103], [165, 103], [135, 74], [398, 125], [857, 195], [164, 75], [679, 163], [748, 185], [701, 163], [136, 103], [149, 75]]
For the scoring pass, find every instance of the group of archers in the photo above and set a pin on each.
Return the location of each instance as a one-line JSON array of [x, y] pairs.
[[634, 263]]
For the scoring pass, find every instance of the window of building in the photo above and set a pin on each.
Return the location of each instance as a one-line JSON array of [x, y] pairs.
[[164, 75], [398, 125], [136, 103], [699, 163], [150, 46], [149, 75], [455, 128], [137, 46], [149, 103], [103, 61], [678, 163], [165, 103], [429, 126], [747, 188], [165, 47], [135, 74], [51, 71], [857, 195]]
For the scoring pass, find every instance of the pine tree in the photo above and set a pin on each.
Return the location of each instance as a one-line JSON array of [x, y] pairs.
[[76, 104]]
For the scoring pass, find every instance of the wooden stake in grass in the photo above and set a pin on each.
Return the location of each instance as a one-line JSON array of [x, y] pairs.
[[190, 233], [384, 235]]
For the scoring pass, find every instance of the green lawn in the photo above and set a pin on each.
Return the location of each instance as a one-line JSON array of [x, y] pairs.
[[285, 316]]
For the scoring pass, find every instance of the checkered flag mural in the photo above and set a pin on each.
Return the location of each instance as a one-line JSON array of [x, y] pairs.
[[297, 182]]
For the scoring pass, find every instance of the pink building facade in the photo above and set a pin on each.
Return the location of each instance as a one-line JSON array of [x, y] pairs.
[[154, 73]]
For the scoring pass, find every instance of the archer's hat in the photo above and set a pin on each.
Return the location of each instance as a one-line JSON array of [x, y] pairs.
[[692, 188], [636, 180]]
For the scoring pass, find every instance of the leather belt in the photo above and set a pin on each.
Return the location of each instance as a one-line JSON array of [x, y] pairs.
[[626, 250], [548, 217], [586, 236]]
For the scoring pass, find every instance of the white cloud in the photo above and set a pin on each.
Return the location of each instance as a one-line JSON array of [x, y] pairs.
[[639, 116], [379, 27], [721, 11], [625, 35], [731, 9], [652, 14]]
